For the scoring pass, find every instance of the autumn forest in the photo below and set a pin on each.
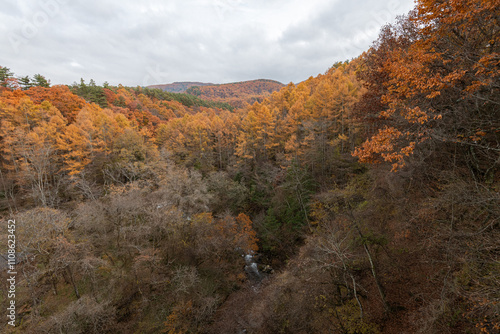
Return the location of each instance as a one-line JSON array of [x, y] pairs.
[[363, 200]]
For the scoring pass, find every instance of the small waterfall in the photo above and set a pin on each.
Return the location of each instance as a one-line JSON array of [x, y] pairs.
[[251, 268]]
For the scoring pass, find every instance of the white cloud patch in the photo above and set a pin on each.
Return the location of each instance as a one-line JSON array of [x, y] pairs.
[[154, 41], [75, 64]]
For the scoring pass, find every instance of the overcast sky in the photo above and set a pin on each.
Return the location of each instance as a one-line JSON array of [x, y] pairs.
[[144, 42]]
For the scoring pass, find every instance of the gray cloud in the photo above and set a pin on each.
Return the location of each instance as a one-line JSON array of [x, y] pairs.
[[152, 41]]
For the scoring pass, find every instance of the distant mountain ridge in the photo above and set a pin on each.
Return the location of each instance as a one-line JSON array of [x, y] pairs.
[[179, 87], [237, 94]]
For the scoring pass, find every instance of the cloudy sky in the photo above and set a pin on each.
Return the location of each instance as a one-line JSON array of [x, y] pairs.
[[144, 42]]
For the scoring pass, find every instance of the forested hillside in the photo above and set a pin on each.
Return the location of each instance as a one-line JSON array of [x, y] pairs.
[[237, 94], [363, 200], [178, 87]]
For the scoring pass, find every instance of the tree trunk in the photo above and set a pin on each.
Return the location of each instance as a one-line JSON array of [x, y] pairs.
[[72, 279]]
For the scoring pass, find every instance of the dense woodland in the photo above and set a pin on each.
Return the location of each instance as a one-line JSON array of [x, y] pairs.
[[369, 195]]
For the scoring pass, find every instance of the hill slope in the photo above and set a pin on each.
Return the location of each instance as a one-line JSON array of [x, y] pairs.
[[179, 87], [237, 93]]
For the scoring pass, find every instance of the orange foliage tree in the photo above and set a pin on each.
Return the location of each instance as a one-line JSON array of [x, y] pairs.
[[29, 134], [61, 97], [90, 137], [437, 73]]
